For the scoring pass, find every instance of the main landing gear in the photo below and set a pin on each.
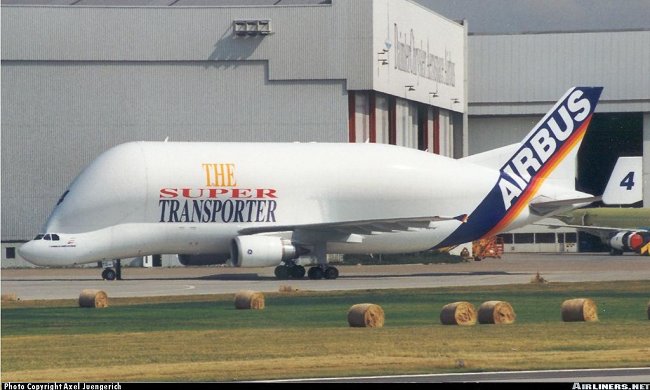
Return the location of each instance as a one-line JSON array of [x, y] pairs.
[[291, 270], [295, 271], [111, 274], [320, 272]]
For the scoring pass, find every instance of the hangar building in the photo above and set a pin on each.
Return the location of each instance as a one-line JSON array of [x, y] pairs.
[[80, 76]]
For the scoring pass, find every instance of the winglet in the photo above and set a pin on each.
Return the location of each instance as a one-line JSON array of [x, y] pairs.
[[625, 185]]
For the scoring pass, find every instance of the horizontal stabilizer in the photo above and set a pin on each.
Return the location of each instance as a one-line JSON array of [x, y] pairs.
[[541, 206]]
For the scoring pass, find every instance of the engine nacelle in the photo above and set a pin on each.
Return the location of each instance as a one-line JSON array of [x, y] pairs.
[[207, 259], [262, 251], [628, 241]]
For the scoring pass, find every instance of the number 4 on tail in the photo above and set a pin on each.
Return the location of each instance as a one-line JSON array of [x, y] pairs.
[[628, 181], [625, 185]]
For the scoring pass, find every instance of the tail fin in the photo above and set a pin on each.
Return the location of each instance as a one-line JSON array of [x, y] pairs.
[[625, 185], [548, 144], [558, 135]]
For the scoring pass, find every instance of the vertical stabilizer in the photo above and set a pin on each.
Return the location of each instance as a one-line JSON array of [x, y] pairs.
[[625, 185], [553, 140]]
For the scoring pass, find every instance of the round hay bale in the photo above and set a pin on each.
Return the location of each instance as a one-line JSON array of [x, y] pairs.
[[366, 315], [496, 312], [458, 313], [9, 297], [248, 299], [579, 309], [93, 298]]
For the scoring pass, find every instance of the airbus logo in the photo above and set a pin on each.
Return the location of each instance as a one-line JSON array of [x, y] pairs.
[[538, 148]]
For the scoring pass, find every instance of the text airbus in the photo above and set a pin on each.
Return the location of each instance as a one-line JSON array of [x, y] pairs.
[[536, 151]]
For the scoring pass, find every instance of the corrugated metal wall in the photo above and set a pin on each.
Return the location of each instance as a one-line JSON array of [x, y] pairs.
[[492, 132], [533, 70], [308, 42]]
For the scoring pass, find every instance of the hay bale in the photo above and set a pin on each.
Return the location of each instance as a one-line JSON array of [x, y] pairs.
[[579, 309], [9, 297], [458, 313], [366, 315], [93, 298], [496, 312], [248, 299], [538, 279], [287, 288]]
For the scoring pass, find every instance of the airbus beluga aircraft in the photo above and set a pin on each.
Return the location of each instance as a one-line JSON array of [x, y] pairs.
[[266, 204]]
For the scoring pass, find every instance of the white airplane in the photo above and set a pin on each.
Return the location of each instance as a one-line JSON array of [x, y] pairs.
[[266, 204]]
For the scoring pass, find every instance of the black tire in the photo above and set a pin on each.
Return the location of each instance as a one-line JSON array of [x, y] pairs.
[[315, 273], [109, 274], [297, 272], [615, 252], [331, 273], [282, 272]]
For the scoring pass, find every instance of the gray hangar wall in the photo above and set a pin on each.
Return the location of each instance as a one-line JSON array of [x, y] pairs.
[[79, 80]]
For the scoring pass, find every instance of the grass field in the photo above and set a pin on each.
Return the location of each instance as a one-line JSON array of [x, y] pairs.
[[305, 334]]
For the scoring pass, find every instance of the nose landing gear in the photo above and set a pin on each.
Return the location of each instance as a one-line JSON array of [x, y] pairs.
[[111, 274]]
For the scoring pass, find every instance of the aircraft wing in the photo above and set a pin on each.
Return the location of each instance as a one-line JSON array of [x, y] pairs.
[[543, 206], [349, 230]]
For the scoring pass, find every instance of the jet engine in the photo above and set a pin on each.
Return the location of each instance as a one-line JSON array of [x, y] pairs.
[[629, 241], [262, 251], [207, 259]]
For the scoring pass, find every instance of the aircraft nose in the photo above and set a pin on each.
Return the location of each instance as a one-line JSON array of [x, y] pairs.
[[29, 252]]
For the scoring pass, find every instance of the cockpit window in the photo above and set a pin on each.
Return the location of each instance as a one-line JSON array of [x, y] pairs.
[[39, 237], [62, 197], [51, 237], [47, 237], [55, 237]]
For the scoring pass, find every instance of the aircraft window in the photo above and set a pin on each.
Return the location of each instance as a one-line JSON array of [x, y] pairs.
[[55, 237], [47, 237], [39, 237]]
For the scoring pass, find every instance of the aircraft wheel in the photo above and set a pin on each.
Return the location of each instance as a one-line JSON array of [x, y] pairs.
[[297, 272], [315, 273], [282, 272], [109, 274], [615, 252], [331, 273]]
